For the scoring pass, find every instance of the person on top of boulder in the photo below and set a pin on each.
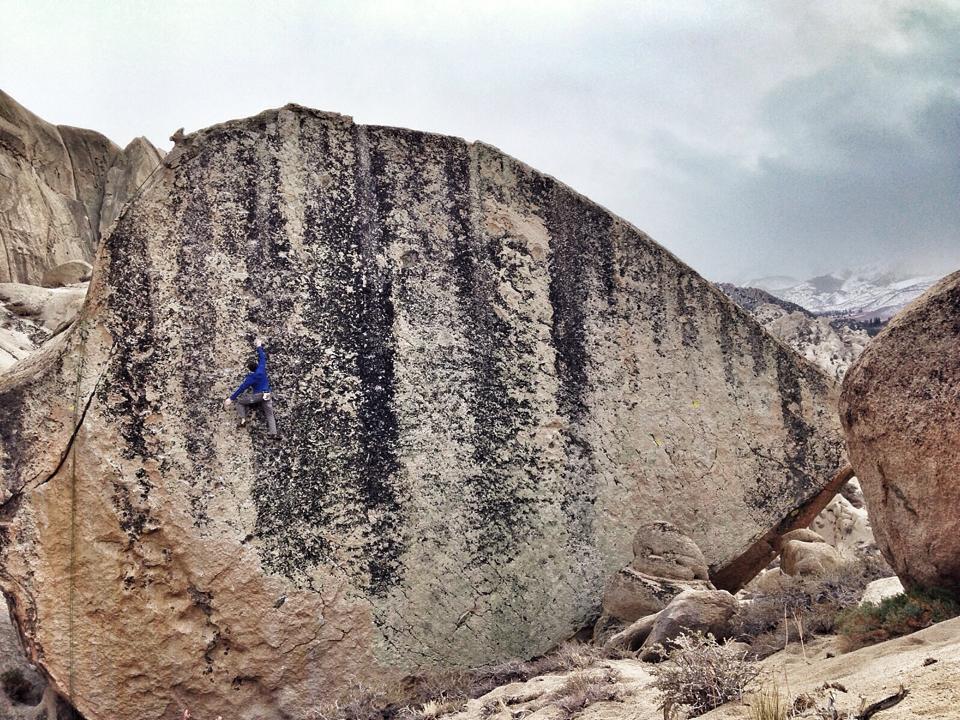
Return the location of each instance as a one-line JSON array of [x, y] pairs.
[[254, 392]]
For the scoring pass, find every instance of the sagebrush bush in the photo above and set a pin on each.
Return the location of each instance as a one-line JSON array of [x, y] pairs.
[[898, 615], [701, 674]]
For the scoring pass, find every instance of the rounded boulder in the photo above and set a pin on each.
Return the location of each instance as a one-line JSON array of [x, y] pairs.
[[900, 409]]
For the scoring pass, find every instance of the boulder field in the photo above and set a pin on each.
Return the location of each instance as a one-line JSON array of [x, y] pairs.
[[900, 409], [484, 384]]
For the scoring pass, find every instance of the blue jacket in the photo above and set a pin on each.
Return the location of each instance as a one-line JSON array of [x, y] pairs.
[[257, 380]]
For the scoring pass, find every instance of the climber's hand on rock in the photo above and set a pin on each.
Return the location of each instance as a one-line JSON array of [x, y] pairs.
[[227, 403], [258, 342], [266, 396]]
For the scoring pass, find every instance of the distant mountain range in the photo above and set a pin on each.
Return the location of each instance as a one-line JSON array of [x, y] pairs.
[[860, 295]]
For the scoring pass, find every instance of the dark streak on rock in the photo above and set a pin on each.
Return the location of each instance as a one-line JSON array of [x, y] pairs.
[[334, 472]]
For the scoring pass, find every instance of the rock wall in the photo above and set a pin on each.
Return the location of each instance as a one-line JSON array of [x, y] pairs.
[[485, 384], [60, 189]]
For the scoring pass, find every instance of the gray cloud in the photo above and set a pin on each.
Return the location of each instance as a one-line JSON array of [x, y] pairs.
[[748, 137]]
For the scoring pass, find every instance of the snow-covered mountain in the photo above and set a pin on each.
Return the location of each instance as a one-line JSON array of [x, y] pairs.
[[861, 295]]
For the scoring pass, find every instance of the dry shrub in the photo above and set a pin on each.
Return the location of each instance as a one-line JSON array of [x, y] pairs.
[[433, 694], [768, 704], [808, 604], [898, 615], [702, 674], [583, 689]]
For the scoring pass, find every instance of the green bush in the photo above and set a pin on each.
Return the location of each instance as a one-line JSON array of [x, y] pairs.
[[895, 616]]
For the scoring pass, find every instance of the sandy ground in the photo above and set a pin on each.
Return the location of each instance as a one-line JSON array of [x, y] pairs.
[[867, 675]]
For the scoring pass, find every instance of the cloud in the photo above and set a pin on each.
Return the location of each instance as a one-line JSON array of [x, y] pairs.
[[864, 165], [749, 137]]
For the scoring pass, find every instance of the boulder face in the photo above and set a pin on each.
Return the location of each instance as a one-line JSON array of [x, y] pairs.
[[60, 188], [484, 385], [900, 410]]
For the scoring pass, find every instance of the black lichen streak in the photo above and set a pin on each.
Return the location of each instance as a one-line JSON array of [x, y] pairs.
[[328, 493], [500, 512], [131, 322]]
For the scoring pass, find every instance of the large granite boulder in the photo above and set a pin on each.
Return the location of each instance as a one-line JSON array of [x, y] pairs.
[[53, 185], [900, 409], [484, 383]]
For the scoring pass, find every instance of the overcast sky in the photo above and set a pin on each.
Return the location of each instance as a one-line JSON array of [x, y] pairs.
[[749, 137]]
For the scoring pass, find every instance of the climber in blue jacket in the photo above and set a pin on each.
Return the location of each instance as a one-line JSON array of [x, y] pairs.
[[254, 392]]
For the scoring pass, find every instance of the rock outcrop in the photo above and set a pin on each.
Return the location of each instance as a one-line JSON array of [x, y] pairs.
[[60, 188], [484, 383], [900, 409], [804, 552], [692, 611], [665, 563]]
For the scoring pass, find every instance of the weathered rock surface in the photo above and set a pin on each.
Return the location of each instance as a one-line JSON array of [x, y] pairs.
[[484, 382], [809, 558], [900, 409], [881, 590], [48, 308], [661, 549], [846, 528], [21, 686], [665, 563], [68, 273], [704, 611], [630, 594], [53, 184], [30, 316]]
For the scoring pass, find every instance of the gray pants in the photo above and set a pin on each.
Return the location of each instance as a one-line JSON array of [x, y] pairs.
[[248, 400]]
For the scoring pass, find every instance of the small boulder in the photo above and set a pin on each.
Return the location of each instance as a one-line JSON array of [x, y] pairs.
[[881, 589], [705, 611], [632, 636], [630, 594], [660, 549], [802, 535], [68, 273], [809, 558]]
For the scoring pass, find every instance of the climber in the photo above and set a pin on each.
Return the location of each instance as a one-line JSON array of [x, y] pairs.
[[254, 392]]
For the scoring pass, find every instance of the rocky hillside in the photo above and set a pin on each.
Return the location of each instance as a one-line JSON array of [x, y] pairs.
[[832, 344], [485, 384], [61, 188]]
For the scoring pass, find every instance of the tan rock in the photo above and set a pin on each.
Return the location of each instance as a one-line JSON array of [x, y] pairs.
[[846, 528], [900, 412], [809, 558], [485, 384], [68, 273], [129, 171], [881, 589], [52, 185], [704, 611], [661, 550], [50, 308], [802, 535], [630, 594], [633, 636]]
